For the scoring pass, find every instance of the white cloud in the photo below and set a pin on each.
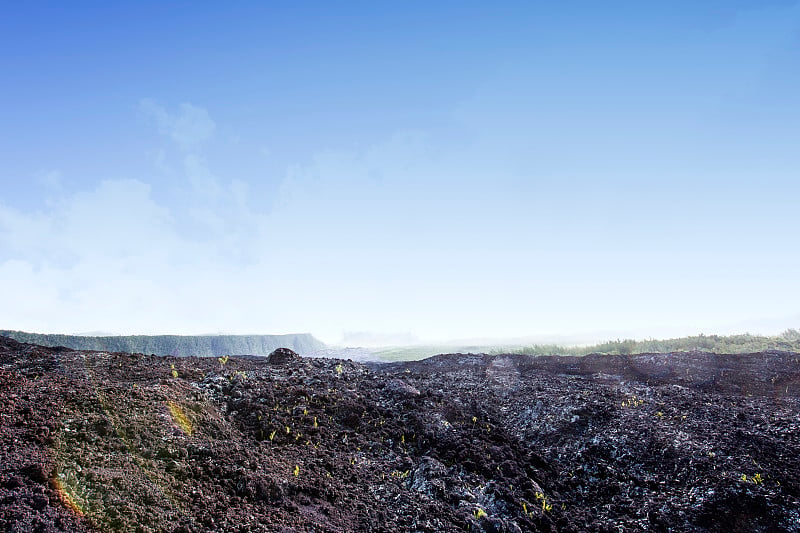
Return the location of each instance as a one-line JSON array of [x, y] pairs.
[[19, 232], [28, 299], [112, 258], [190, 127], [206, 208], [392, 237], [116, 219], [202, 180]]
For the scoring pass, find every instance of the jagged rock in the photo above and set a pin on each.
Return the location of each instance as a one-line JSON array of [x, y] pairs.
[[282, 356], [304, 444], [429, 478], [401, 388]]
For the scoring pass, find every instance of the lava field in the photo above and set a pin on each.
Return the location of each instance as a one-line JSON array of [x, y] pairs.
[[96, 441]]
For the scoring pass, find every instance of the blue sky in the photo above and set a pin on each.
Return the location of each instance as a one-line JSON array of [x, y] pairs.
[[444, 169]]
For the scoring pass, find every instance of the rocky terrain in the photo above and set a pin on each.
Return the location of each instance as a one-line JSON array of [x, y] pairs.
[[98, 441]]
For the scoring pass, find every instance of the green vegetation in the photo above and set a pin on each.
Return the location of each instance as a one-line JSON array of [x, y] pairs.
[[221, 345], [178, 345], [415, 353], [542, 498], [633, 401], [758, 479], [788, 341]]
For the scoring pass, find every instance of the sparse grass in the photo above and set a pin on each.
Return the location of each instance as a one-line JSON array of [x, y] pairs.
[[788, 341], [757, 478], [415, 353], [632, 401]]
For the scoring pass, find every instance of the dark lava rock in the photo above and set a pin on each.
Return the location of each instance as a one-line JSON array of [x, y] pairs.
[[430, 478], [401, 388], [282, 356], [649, 442]]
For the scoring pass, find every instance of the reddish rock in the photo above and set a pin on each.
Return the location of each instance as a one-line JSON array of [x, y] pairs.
[[93, 441]]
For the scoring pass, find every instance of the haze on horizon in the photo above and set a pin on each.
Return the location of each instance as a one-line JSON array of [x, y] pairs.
[[448, 170]]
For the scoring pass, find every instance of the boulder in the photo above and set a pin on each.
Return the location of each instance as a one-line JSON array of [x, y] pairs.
[[430, 478], [282, 356]]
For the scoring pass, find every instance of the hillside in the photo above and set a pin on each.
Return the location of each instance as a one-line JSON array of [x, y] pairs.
[[97, 441], [788, 341], [176, 345]]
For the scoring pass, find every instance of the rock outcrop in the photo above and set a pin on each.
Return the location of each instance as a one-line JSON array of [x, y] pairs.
[[282, 356]]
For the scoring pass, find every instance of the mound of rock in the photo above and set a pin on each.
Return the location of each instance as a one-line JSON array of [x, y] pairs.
[[282, 356]]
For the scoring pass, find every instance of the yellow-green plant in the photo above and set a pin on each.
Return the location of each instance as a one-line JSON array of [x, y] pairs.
[[757, 478], [633, 401], [180, 418], [545, 506]]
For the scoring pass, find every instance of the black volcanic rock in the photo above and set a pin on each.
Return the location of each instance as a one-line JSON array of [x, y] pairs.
[[282, 356], [401, 388], [98, 441]]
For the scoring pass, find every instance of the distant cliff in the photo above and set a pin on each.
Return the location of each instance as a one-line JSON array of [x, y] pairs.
[[179, 345]]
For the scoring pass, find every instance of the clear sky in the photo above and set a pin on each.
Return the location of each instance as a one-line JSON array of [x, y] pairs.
[[440, 169]]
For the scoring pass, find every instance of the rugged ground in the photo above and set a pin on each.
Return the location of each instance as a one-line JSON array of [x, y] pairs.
[[94, 441]]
